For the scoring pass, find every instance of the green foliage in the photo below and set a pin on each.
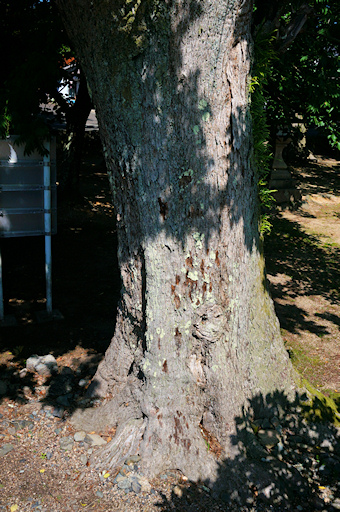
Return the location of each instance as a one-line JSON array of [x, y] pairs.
[[264, 55], [304, 83], [31, 31]]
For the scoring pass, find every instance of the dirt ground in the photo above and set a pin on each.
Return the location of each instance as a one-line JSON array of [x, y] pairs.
[[302, 254]]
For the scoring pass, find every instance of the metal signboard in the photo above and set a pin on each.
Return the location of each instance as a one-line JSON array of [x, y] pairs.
[[28, 205]]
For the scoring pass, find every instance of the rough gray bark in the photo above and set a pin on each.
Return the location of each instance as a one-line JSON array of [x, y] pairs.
[[196, 331]]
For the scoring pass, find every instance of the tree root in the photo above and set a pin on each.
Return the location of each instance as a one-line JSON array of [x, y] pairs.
[[125, 444]]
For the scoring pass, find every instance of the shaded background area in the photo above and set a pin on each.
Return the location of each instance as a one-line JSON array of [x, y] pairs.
[[86, 281]]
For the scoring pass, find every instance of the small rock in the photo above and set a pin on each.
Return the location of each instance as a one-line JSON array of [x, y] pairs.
[[119, 478], [83, 459], [327, 444], [99, 494], [66, 443], [268, 491], [3, 387], [124, 484], [79, 436], [94, 440], [6, 448], [43, 370], [20, 424], [336, 503], [178, 491], [58, 412], [268, 438], [132, 459], [82, 383], [49, 455], [136, 486], [144, 483], [27, 391], [32, 362]]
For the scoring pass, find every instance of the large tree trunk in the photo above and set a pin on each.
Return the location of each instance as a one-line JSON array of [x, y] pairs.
[[196, 332]]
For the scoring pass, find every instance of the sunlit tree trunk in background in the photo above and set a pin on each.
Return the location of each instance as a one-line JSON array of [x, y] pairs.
[[196, 332]]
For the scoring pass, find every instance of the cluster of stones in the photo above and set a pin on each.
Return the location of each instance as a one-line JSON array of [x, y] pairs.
[[130, 477], [63, 386]]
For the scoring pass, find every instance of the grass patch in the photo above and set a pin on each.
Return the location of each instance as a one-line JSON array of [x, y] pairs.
[[319, 407]]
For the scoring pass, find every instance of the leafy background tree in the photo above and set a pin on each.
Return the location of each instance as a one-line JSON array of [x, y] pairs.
[[36, 49], [301, 82]]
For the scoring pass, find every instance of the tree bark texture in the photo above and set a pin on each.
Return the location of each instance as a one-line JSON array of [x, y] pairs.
[[196, 332]]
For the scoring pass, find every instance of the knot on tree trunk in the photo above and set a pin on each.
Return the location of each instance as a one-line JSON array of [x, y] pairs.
[[211, 325]]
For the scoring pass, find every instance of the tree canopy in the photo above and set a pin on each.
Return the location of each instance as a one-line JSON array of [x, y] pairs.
[[302, 76], [32, 34]]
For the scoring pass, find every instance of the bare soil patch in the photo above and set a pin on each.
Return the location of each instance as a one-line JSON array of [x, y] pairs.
[[303, 265]]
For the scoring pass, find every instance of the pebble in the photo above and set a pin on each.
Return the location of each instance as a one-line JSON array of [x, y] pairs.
[[79, 436], [83, 459], [94, 440], [58, 412], [178, 491], [336, 503], [44, 365], [66, 443], [268, 438], [99, 494], [327, 444], [145, 484], [124, 484], [6, 448], [135, 485]]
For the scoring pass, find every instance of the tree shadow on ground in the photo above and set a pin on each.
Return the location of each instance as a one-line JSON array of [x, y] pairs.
[[288, 459], [293, 319], [311, 270], [326, 182]]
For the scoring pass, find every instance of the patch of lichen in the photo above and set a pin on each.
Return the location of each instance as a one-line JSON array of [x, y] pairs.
[[318, 407]]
